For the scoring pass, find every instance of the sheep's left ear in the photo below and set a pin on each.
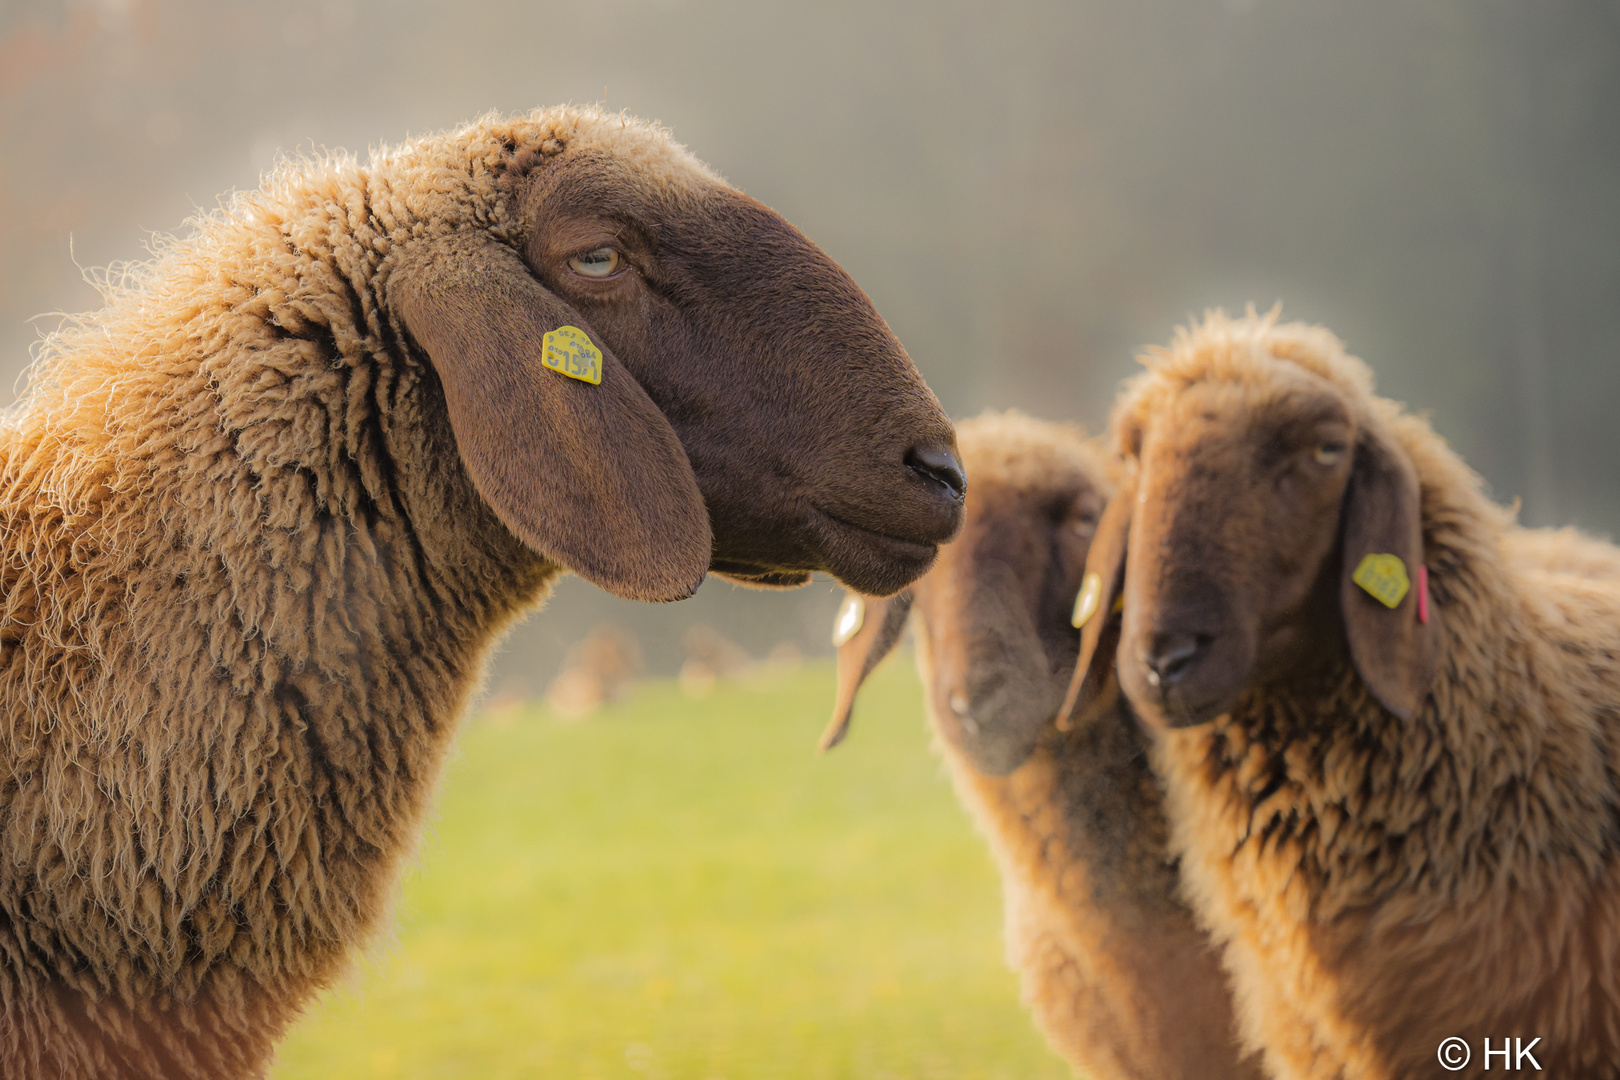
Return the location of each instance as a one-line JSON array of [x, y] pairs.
[[591, 476], [1396, 649], [866, 631]]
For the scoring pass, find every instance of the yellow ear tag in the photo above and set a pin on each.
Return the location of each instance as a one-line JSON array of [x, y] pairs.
[[850, 618], [568, 351], [1085, 605], [1384, 577]]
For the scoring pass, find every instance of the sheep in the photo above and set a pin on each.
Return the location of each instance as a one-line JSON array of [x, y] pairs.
[[1394, 795], [710, 657], [1119, 978], [595, 672], [1563, 551], [265, 513]]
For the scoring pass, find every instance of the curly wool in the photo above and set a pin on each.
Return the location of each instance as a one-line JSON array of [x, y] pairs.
[[1117, 974], [1113, 967], [1379, 884], [242, 611]]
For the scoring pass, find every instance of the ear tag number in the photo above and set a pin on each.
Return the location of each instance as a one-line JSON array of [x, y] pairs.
[[569, 352], [1384, 578], [1085, 605], [850, 618]]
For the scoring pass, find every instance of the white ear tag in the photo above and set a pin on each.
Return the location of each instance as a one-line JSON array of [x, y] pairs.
[[1085, 605], [850, 618]]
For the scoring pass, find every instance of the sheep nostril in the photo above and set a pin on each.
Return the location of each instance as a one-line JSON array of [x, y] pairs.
[[963, 711], [1171, 656], [939, 464]]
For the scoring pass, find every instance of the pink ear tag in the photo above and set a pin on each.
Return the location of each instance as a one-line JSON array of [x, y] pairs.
[[1423, 593]]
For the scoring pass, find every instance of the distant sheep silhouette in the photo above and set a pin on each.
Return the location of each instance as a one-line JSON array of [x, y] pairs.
[[1391, 718], [265, 513], [595, 672], [1118, 975]]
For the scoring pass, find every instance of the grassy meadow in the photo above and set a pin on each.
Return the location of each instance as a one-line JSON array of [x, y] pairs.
[[680, 888]]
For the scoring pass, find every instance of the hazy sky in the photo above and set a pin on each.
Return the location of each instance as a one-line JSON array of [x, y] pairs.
[[1029, 191]]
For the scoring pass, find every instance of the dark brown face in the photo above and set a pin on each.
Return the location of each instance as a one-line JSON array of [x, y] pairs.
[[814, 442], [992, 616], [1268, 528], [1229, 578]]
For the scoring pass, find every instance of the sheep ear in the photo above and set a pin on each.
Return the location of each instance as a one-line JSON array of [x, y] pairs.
[[1396, 650], [1099, 634], [590, 476], [866, 631]]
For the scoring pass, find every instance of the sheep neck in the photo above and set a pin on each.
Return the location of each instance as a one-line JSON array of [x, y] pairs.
[[248, 594], [1115, 969]]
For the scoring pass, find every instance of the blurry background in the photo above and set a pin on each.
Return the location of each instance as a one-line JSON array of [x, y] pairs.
[[1029, 190]]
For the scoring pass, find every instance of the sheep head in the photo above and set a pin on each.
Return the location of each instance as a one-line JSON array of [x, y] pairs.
[[1258, 479], [754, 414], [992, 616]]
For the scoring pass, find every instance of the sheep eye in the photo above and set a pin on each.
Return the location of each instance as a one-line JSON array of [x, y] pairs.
[[1327, 453], [601, 263]]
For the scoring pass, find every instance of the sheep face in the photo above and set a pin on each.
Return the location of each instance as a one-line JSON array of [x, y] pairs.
[[760, 419], [816, 444], [1254, 489], [1227, 582], [992, 615]]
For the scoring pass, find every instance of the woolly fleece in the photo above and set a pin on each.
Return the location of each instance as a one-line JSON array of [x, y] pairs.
[[1380, 885], [247, 592]]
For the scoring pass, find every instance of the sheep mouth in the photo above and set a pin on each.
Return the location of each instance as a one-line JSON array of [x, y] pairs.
[[1174, 708], [866, 560], [997, 732], [758, 576], [869, 561], [835, 533], [876, 534]]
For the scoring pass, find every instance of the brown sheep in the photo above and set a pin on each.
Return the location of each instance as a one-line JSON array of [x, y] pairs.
[[1563, 551], [595, 672], [1118, 976], [266, 512], [1398, 815]]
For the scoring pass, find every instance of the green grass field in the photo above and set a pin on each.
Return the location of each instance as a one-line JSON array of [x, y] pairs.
[[684, 889]]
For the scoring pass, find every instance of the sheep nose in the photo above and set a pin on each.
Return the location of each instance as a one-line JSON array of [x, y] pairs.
[[938, 463], [1171, 656], [964, 713]]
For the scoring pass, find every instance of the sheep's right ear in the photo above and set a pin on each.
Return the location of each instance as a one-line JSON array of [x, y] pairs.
[[590, 476], [1099, 635], [867, 630]]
